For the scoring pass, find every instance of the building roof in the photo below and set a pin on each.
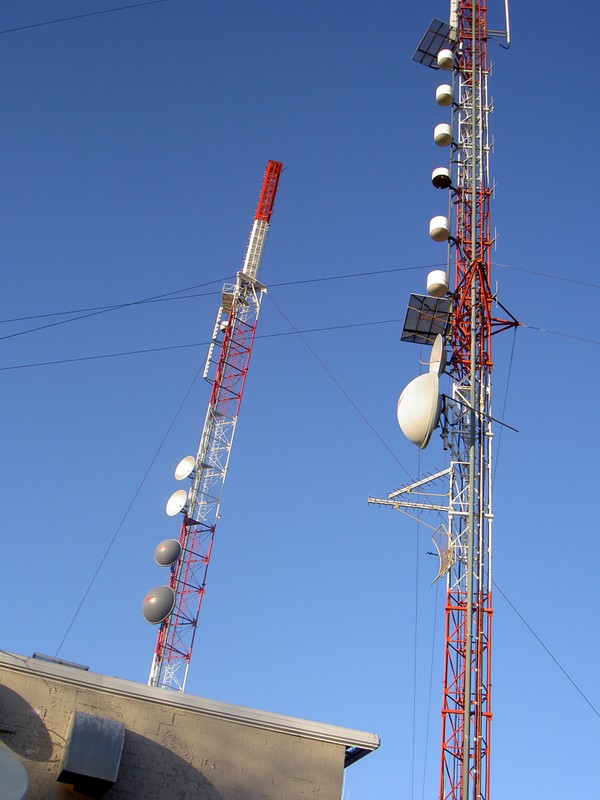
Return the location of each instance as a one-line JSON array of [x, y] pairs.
[[357, 743]]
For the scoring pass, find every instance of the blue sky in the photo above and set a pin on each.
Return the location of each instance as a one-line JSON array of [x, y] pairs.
[[133, 148]]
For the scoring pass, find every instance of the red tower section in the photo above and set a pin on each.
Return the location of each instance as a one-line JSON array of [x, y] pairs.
[[227, 362], [459, 313]]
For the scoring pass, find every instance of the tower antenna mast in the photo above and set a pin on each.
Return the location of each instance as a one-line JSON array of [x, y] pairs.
[[176, 607], [461, 318]]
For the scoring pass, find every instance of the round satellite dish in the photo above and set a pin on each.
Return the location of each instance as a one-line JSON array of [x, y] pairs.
[[185, 468], [445, 59], [176, 502], [419, 409], [158, 604], [443, 95], [441, 178], [439, 229], [442, 134], [13, 775], [437, 359], [437, 283], [167, 552]]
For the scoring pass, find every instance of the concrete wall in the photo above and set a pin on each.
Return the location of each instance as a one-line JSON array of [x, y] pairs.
[[173, 747]]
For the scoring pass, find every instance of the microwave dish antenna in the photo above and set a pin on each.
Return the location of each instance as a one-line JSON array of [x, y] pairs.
[[185, 468], [419, 408]]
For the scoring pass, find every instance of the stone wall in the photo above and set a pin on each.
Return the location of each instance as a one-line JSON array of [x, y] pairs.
[[175, 746]]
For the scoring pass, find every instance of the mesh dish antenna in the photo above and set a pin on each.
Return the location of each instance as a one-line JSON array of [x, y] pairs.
[[176, 502], [419, 408], [185, 468], [158, 604], [443, 544]]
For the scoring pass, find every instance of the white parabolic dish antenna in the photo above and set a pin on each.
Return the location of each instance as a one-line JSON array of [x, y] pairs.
[[176, 502], [437, 359], [419, 408], [13, 775], [185, 468]]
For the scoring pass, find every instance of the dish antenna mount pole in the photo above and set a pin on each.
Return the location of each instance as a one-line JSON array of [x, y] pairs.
[[177, 607]]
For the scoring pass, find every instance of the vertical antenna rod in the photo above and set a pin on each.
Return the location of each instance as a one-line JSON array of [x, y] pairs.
[[227, 363]]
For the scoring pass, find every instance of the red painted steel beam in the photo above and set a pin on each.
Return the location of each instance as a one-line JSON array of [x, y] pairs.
[[269, 189]]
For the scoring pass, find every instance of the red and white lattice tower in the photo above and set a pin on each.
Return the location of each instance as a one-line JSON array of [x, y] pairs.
[[226, 368], [458, 313]]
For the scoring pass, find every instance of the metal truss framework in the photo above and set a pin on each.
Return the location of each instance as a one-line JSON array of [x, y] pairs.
[[464, 542], [228, 358], [466, 702]]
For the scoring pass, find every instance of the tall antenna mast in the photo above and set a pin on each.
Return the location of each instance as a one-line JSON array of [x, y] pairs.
[[461, 318], [176, 607]]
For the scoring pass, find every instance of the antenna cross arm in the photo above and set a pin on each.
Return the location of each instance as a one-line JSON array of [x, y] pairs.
[[398, 504]]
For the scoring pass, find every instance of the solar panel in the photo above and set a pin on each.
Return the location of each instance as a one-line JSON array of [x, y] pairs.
[[426, 317], [437, 37]]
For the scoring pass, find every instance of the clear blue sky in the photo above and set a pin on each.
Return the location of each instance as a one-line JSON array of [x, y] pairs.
[[133, 146]]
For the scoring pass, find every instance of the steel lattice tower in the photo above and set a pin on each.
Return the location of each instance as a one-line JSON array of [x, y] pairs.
[[466, 705], [462, 492], [226, 368]]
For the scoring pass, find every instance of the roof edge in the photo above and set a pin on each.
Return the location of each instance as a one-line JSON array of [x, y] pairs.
[[354, 741]]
